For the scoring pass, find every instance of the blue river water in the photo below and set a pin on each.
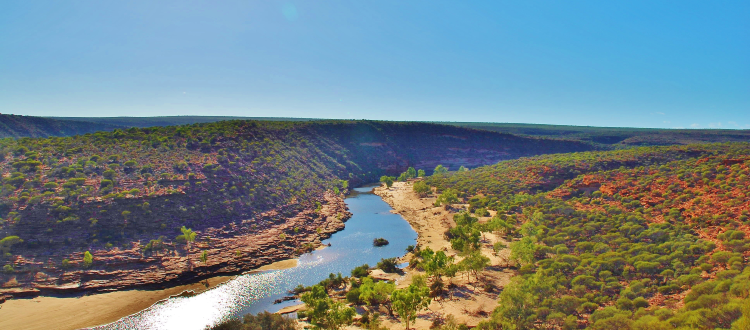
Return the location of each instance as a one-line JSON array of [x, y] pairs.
[[253, 293]]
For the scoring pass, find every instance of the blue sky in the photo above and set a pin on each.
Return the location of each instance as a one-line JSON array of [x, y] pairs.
[[601, 63]]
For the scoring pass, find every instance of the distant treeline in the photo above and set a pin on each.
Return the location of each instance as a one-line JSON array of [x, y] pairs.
[[608, 137]]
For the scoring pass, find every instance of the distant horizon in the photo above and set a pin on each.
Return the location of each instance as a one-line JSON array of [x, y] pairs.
[[387, 120]]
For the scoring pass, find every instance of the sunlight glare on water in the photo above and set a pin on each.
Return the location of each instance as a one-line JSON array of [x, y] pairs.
[[253, 293]]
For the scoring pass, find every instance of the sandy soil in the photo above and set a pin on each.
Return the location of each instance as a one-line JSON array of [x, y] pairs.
[[97, 309], [469, 303]]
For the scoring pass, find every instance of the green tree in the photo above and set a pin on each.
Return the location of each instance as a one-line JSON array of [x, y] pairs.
[[411, 173], [262, 321], [420, 173], [516, 306], [409, 301], [440, 169], [435, 264], [88, 259], [109, 174], [324, 312], [449, 196], [188, 236], [8, 269], [523, 251], [387, 180], [744, 321], [474, 263], [421, 188], [204, 257], [376, 293], [7, 242], [361, 271]]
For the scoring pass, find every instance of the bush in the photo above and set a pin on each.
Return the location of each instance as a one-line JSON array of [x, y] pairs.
[[640, 302], [421, 188], [8, 269], [482, 212], [388, 265], [353, 296], [262, 321], [361, 271], [88, 259]]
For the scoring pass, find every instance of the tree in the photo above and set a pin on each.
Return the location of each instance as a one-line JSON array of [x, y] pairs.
[[324, 312], [387, 180], [388, 265], [8, 269], [188, 236], [411, 173], [421, 188], [474, 263], [440, 169], [744, 321], [449, 196], [204, 257], [262, 321], [409, 301], [361, 271], [375, 293], [517, 304], [109, 174], [523, 251], [7, 242], [88, 259], [435, 263], [420, 173]]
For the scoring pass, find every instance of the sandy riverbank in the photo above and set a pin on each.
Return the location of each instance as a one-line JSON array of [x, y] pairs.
[[97, 309], [470, 303]]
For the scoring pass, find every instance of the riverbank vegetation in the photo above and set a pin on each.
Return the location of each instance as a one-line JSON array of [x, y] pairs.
[[646, 238], [136, 189]]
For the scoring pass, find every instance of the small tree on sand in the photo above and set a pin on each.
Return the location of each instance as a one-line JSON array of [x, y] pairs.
[[387, 180], [409, 301], [324, 312]]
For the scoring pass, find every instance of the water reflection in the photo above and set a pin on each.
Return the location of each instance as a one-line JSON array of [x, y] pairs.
[[254, 293]]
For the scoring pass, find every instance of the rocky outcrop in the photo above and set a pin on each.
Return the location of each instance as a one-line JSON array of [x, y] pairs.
[[230, 250]]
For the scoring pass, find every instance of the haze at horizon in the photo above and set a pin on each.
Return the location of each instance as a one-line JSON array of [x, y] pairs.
[[636, 64]]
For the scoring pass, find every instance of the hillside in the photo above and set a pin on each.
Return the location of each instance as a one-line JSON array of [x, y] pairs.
[[253, 192], [615, 136], [12, 126], [169, 120], [599, 137], [644, 238], [602, 137]]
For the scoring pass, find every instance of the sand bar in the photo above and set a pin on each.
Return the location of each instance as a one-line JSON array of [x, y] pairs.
[[97, 309]]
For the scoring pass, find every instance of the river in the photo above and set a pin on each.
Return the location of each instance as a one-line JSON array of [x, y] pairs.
[[253, 293]]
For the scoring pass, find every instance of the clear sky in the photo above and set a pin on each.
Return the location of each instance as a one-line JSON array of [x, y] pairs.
[[603, 63]]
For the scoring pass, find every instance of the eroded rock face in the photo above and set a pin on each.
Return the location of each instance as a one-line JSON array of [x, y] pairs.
[[231, 249]]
